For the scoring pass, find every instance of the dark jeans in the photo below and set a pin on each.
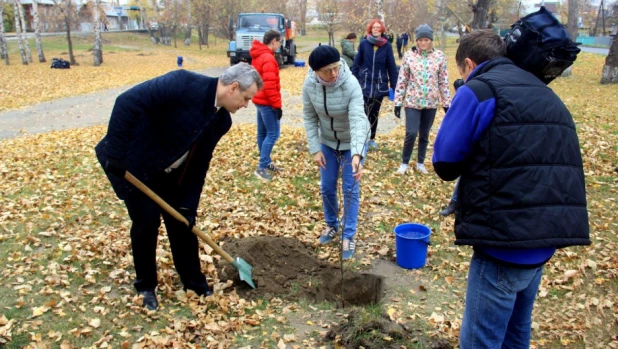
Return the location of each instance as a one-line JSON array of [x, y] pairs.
[[399, 51], [372, 109], [417, 122], [146, 217]]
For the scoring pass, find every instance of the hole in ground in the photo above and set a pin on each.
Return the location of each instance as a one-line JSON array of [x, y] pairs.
[[285, 268]]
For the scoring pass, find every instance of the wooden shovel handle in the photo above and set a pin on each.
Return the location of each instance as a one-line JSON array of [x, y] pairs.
[[169, 209]]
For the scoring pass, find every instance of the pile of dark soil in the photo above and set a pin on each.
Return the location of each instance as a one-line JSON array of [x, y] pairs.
[[361, 330], [285, 268]]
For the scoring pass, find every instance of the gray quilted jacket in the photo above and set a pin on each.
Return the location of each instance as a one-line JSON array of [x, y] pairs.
[[335, 116]]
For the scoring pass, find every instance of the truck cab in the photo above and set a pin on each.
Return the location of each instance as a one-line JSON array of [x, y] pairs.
[[253, 26]]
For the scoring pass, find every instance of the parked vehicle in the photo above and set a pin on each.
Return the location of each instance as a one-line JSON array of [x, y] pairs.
[[252, 26]]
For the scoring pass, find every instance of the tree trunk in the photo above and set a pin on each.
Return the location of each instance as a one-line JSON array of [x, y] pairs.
[[3, 50], [205, 33], [188, 32], [571, 28], [303, 17], [174, 34], [37, 31], [480, 10], [188, 35], [610, 69], [572, 20], [97, 52], [23, 27], [67, 24], [380, 10], [24, 58]]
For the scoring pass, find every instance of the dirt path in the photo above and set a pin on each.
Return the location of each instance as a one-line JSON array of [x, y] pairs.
[[95, 108]]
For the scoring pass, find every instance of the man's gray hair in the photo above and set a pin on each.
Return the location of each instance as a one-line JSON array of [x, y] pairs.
[[242, 73]]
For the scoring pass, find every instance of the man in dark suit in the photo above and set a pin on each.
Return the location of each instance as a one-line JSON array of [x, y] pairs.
[[164, 132]]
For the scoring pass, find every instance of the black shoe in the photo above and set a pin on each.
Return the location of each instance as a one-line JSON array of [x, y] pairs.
[[201, 292], [450, 209], [150, 300]]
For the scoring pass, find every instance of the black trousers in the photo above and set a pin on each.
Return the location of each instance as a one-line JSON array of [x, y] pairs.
[[372, 110], [146, 217], [399, 51], [418, 121]]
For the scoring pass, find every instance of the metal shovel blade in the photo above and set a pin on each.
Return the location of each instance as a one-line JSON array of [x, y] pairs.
[[244, 270]]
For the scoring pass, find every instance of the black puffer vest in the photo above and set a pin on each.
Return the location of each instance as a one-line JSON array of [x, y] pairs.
[[523, 186]]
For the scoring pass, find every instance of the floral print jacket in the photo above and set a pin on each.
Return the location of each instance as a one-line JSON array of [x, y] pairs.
[[423, 80]]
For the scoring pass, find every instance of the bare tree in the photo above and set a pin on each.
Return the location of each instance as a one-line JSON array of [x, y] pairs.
[[610, 69], [20, 34], [67, 11], [202, 14], [188, 23], [330, 12], [37, 30], [302, 8], [3, 50], [572, 28], [480, 11], [97, 51], [572, 25]]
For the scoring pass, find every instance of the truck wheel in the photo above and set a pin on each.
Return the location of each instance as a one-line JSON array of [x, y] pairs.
[[291, 58]]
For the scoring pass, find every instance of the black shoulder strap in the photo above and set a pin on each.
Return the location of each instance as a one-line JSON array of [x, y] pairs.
[[481, 89]]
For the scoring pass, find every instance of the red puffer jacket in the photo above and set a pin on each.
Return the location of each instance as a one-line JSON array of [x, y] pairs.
[[263, 60]]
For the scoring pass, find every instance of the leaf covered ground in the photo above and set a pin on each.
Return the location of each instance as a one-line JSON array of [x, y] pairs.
[[67, 266]]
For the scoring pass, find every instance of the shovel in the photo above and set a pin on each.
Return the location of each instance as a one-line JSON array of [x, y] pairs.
[[244, 269]]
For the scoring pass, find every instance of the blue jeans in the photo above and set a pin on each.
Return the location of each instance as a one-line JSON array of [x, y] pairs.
[[499, 301], [351, 190], [268, 131]]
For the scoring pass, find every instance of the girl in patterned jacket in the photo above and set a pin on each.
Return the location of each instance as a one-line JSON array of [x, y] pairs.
[[422, 83]]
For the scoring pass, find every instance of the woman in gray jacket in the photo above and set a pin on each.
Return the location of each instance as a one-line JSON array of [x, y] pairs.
[[337, 132]]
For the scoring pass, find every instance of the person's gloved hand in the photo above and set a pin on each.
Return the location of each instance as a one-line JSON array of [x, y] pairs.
[[398, 112], [189, 216], [115, 167], [445, 109], [279, 113]]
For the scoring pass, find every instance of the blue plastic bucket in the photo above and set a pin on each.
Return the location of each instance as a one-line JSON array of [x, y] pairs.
[[299, 63], [391, 94], [411, 241]]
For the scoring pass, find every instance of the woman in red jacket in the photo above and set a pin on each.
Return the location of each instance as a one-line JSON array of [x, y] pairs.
[[267, 100]]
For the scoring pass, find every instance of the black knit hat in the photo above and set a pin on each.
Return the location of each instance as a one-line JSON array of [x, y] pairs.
[[322, 56]]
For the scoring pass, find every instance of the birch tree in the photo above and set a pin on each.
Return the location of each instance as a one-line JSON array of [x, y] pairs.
[[22, 20], [97, 51], [20, 35], [3, 50], [37, 30], [380, 10]]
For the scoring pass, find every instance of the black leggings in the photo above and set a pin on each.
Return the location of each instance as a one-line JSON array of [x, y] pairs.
[[372, 109]]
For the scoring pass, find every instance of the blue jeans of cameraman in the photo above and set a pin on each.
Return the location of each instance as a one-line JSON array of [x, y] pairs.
[[499, 302]]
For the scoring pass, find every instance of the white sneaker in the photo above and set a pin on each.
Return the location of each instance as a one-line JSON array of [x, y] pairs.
[[403, 168], [421, 168]]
